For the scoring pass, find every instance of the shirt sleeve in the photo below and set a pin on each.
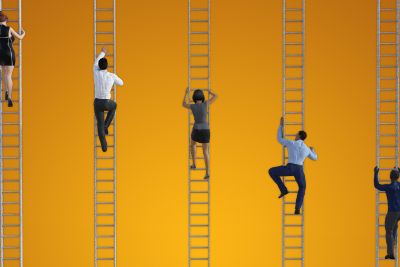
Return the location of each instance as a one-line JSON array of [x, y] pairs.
[[380, 187], [313, 155], [117, 80], [282, 140], [96, 62]]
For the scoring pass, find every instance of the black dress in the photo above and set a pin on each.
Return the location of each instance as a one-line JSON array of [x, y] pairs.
[[7, 53]]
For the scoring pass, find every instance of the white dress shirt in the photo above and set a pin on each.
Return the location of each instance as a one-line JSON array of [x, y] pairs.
[[298, 150], [104, 80]]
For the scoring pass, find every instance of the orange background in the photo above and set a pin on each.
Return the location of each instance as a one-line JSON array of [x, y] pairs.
[[152, 139]]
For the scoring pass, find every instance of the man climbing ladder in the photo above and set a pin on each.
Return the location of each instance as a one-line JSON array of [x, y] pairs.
[[298, 151], [387, 120], [105, 162], [104, 81]]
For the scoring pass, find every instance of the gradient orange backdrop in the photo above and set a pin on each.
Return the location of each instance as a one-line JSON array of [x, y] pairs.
[[152, 133]]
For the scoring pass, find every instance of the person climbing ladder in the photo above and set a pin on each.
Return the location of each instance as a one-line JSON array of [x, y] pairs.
[[103, 83], [201, 128], [7, 54], [392, 191], [298, 151]]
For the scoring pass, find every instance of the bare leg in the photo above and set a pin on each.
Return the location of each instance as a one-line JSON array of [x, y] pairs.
[[206, 153], [193, 151], [8, 71]]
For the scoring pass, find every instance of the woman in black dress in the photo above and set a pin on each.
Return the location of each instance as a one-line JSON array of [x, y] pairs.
[[7, 54], [201, 128]]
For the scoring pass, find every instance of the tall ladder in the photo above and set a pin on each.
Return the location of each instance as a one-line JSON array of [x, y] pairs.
[[11, 231], [293, 113], [199, 78], [387, 112], [105, 177]]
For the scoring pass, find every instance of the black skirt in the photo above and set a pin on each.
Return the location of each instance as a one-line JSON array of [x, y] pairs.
[[201, 136]]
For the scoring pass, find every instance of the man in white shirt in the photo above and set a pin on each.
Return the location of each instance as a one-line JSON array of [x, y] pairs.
[[298, 151], [103, 84]]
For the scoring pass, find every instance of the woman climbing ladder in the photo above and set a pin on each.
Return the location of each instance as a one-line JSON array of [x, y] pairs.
[[201, 128], [7, 54]]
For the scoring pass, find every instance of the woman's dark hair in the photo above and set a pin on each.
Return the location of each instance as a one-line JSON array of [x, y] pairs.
[[103, 63], [302, 135], [198, 95], [3, 17]]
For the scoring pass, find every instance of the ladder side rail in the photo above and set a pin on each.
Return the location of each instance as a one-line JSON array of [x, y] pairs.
[[21, 221], [115, 134], [95, 143], [208, 113], [189, 139], [303, 112], [284, 116]]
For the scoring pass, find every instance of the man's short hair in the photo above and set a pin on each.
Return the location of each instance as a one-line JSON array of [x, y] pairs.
[[103, 63], [302, 135], [394, 174]]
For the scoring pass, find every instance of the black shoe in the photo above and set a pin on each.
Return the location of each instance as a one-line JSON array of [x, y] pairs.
[[6, 95], [206, 177], [389, 257], [296, 212], [283, 193], [10, 103], [103, 143], [193, 167]]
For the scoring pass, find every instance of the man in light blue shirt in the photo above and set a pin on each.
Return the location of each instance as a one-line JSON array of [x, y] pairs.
[[298, 151]]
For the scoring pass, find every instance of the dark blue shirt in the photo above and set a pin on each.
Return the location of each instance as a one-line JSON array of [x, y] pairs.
[[392, 193]]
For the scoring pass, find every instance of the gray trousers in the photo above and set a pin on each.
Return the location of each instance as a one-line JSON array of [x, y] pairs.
[[391, 223]]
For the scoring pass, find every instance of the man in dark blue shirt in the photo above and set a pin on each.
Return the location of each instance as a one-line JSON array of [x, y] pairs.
[[392, 191]]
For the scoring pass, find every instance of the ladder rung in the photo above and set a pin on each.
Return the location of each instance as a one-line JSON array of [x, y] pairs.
[[294, 20], [198, 236], [105, 9], [104, 236], [199, 9], [199, 247], [199, 33], [104, 225], [105, 247], [199, 20], [199, 55]]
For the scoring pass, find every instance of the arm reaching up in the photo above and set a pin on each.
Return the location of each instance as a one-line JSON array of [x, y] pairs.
[[213, 97], [377, 185], [100, 56], [17, 35], [185, 103], [282, 140], [118, 81], [313, 155]]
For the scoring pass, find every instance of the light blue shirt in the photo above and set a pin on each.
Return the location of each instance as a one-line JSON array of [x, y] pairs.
[[298, 151]]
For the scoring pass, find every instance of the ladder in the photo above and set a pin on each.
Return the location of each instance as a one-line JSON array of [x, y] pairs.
[[387, 112], [105, 178], [199, 189], [11, 220], [293, 113]]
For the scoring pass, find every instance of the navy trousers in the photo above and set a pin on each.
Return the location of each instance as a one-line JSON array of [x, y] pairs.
[[290, 170]]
